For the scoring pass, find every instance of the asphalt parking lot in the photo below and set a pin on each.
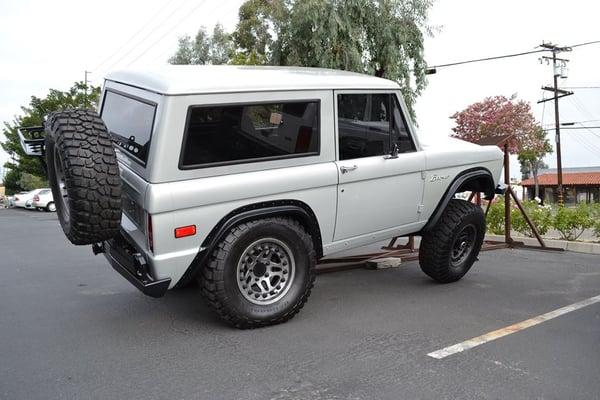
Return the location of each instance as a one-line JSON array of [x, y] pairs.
[[72, 328]]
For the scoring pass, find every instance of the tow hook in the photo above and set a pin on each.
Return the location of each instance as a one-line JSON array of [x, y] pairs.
[[98, 248]]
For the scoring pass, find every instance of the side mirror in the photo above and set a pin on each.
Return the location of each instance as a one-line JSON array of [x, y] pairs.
[[393, 152]]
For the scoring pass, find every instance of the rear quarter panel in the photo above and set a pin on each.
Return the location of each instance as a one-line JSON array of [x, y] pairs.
[[178, 197]]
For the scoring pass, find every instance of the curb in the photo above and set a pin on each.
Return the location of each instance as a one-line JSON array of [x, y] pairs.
[[577, 247]]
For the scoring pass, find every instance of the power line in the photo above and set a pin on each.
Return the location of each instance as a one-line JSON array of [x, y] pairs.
[[582, 87], [161, 9], [592, 148], [575, 127], [581, 107], [486, 59], [170, 30], [523, 53], [585, 43], [164, 54], [574, 122], [168, 17]]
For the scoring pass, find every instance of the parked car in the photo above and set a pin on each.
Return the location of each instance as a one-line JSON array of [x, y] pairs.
[[242, 178], [44, 201], [25, 199]]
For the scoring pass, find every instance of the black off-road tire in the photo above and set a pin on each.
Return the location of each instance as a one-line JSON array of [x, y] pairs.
[[219, 284], [440, 250], [84, 176]]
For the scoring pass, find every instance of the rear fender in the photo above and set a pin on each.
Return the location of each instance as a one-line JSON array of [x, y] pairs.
[[282, 208]]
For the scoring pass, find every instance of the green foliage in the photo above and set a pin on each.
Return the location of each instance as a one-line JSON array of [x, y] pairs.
[[595, 216], [541, 216], [78, 96], [261, 23], [382, 38], [570, 222], [11, 181], [531, 156], [495, 216], [377, 37], [30, 182], [216, 48]]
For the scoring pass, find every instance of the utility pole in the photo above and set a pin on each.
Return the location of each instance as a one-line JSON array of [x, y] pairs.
[[558, 71], [85, 82]]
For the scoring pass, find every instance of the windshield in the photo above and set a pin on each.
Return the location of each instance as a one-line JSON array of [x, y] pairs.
[[130, 122]]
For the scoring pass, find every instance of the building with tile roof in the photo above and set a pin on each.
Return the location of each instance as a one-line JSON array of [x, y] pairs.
[[580, 185]]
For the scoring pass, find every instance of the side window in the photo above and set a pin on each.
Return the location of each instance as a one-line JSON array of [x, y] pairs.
[[363, 125], [250, 132], [368, 125], [400, 134]]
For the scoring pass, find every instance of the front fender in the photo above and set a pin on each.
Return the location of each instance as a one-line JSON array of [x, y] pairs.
[[476, 179]]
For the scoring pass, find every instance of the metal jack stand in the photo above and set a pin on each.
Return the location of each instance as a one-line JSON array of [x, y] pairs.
[[502, 142]]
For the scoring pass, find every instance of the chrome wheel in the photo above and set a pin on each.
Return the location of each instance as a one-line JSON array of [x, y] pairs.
[[463, 245], [265, 271], [52, 207]]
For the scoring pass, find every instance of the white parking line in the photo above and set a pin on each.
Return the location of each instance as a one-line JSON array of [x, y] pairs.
[[488, 337]]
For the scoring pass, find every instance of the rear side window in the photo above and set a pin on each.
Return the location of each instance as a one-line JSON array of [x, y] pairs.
[[130, 121], [250, 132]]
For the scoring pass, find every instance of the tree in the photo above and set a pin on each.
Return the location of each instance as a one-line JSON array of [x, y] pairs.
[[531, 158], [30, 182], [496, 116], [378, 37], [11, 181], [216, 49], [78, 96], [499, 115], [261, 22]]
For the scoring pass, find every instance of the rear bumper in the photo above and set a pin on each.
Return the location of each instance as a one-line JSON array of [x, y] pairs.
[[132, 265]]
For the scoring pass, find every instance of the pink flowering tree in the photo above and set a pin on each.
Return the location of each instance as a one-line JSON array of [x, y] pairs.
[[499, 115]]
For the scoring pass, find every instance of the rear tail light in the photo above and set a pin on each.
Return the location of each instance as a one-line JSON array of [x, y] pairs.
[[149, 234], [36, 198]]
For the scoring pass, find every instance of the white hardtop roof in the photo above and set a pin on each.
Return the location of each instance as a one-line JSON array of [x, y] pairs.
[[192, 79]]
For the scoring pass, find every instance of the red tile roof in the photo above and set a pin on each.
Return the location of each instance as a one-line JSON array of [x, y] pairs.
[[569, 178]]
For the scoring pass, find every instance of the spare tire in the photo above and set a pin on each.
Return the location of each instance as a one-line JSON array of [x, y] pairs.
[[84, 176]]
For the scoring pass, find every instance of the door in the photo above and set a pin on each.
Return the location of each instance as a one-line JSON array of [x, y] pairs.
[[379, 188]]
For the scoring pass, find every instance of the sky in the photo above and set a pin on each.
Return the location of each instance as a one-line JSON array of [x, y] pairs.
[[49, 44]]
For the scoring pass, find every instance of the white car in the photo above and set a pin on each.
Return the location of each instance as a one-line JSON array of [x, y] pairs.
[[44, 201], [25, 199], [244, 177]]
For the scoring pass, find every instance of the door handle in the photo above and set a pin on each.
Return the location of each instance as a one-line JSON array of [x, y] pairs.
[[345, 169]]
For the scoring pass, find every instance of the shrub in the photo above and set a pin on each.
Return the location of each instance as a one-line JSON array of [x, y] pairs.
[[541, 216], [595, 216], [495, 216], [570, 222]]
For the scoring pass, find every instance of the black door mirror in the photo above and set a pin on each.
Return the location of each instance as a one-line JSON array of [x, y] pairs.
[[393, 152]]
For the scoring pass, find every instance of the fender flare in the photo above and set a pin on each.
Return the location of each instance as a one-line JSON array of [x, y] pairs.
[[461, 179], [291, 208]]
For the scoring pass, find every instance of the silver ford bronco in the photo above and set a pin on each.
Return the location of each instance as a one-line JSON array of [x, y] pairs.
[[242, 178]]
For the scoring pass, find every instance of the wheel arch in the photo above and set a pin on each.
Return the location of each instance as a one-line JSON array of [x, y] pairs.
[[295, 209], [478, 179]]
